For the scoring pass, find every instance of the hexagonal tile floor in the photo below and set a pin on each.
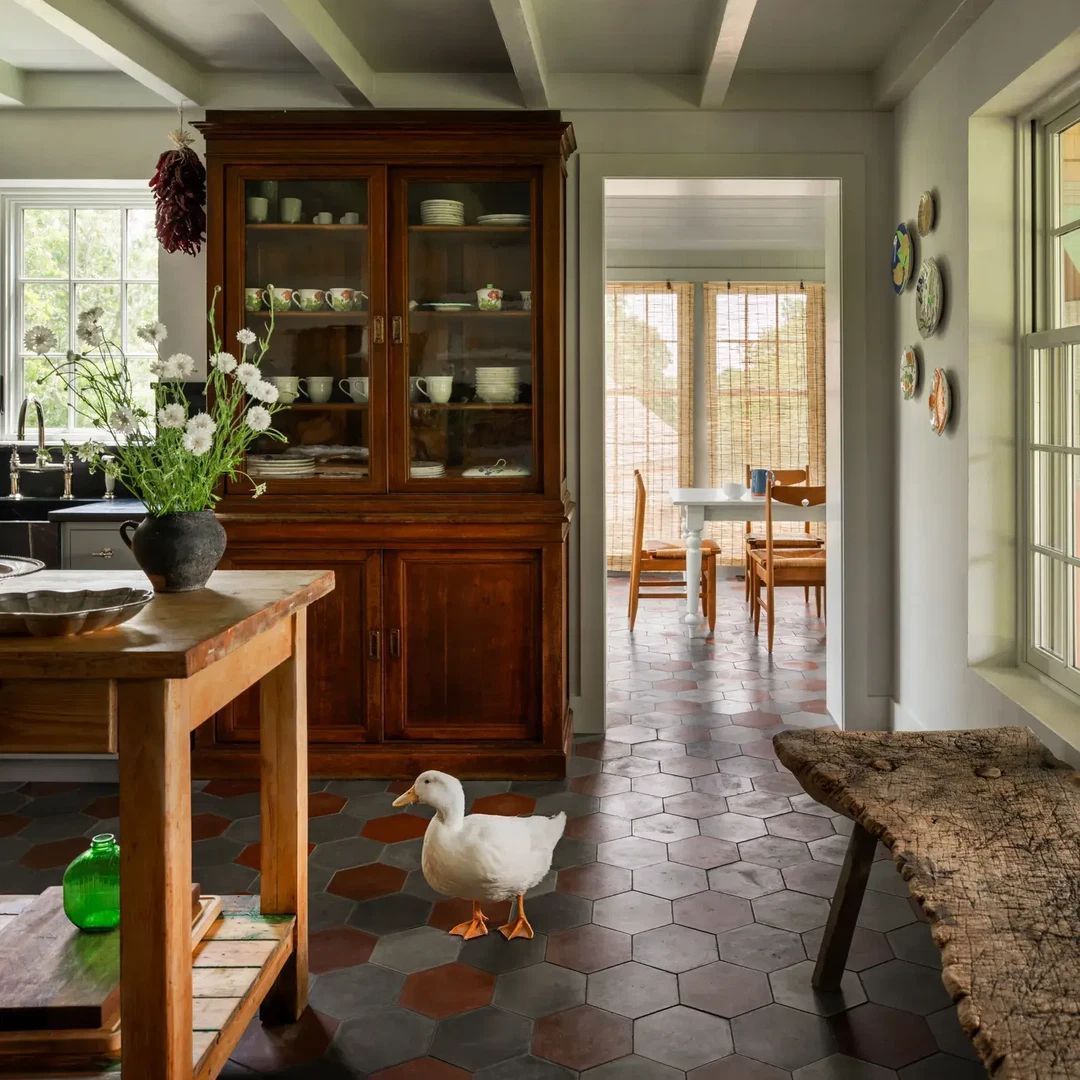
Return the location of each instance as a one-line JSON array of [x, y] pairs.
[[674, 934]]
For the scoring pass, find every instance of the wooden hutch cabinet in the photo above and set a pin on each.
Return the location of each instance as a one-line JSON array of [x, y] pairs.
[[417, 264]]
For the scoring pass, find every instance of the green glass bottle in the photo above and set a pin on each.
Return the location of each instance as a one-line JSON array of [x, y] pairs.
[[92, 886]]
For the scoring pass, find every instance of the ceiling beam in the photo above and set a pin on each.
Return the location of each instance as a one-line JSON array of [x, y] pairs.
[[319, 38], [517, 24], [730, 24], [112, 36], [12, 85]]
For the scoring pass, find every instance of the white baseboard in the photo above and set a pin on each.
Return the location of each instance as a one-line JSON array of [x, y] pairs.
[[903, 719]]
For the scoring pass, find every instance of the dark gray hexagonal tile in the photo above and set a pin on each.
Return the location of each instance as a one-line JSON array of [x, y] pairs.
[[326, 911], [555, 911], [322, 830], [341, 854], [881, 911], [774, 851], [570, 852], [949, 1035], [915, 944], [384, 1037], [42, 830], [352, 788], [570, 803], [493, 953], [791, 911], [807, 804], [389, 914], [675, 948], [631, 852], [539, 990], [416, 949], [525, 1068], [682, 1038], [637, 765], [356, 991], [903, 985], [537, 789], [737, 1067], [781, 783], [763, 948], [369, 805], [662, 785], [884, 877], [696, 804], [723, 784], [670, 880], [632, 989], [745, 879], [842, 1067], [868, 948], [481, 1038], [745, 766], [246, 829], [631, 912], [796, 826], [759, 804], [688, 766], [815, 878], [943, 1067], [724, 989], [732, 827], [712, 912], [786, 1038], [226, 880], [665, 827], [704, 852], [405, 855], [416, 885], [791, 986], [633, 1068]]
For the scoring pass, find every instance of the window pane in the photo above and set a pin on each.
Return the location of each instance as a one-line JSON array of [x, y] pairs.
[[1050, 605], [142, 253], [48, 388], [97, 243], [1069, 165], [46, 243], [142, 308], [139, 371], [106, 297], [1051, 507], [1070, 278], [46, 305], [1049, 397]]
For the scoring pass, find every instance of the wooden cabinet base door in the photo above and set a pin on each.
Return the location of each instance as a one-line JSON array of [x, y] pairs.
[[464, 637]]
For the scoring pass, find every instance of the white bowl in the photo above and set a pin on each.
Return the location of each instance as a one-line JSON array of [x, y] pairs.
[[734, 491]]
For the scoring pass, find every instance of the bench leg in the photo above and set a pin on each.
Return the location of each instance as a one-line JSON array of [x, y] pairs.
[[847, 900]]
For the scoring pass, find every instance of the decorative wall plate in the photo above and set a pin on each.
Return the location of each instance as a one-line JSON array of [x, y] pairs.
[[940, 402], [909, 372], [901, 258], [929, 297], [927, 213]]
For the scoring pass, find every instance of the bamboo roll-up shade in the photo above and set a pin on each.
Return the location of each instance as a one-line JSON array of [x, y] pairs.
[[765, 389], [650, 408]]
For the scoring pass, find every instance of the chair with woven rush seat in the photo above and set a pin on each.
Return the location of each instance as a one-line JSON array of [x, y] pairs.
[[775, 567], [655, 555], [786, 478]]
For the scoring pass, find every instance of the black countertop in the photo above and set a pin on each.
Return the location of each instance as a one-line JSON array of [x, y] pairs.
[[105, 510]]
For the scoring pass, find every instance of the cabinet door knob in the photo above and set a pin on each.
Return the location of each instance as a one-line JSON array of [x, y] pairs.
[[378, 330], [395, 643], [104, 553], [373, 645], [397, 329]]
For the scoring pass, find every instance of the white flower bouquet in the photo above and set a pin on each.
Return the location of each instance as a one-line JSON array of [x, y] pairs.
[[173, 461]]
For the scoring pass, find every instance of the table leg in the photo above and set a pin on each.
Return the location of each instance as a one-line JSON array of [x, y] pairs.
[[155, 879], [695, 523], [284, 794], [833, 954]]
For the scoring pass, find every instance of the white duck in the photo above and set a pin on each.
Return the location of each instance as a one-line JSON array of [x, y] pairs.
[[482, 856]]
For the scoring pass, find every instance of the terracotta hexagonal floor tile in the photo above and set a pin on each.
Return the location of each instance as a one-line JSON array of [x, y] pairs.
[[589, 948], [422, 1069], [448, 990], [12, 823], [226, 789], [106, 806], [266, 1049], [203, 826], [594, 880], [393, 829], [506, 804], [446, 914], [367, 882], [321, 803], [339, 947], [583, 1037], [54, 853], [398, 787], [249, 857]]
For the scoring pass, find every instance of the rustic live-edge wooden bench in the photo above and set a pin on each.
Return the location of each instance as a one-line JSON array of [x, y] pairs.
[[984, 825]]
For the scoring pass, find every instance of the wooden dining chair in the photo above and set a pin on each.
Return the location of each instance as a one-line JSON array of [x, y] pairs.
[[775, 567], [785, 478], [651, 556]]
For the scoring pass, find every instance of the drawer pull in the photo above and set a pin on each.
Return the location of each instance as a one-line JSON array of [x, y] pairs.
[[395, 643], [373, 645], [379, 328], [104, 553]]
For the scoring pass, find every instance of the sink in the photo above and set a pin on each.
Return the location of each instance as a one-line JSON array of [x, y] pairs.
[[34, 509]]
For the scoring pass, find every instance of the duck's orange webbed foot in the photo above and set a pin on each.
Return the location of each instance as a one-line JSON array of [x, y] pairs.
[[519, 927], [474, 927]]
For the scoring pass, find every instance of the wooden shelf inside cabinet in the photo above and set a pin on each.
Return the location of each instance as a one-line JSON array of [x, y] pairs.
[[468, 313], [278, 227], [319, 406], [337, 316], [434, 406], [467, 230]]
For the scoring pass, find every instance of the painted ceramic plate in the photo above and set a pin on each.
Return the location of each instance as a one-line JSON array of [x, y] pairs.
[[901, 258], [909, 372], [926, 213], [929, 296], [940, 402]]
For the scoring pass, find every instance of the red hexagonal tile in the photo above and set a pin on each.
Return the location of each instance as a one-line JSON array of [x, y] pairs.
[[36, 788], [589, 948], [446, 914], [812, 684], [675, 685], [594, 880], [672, 665], [506, 804], [107, 806], [321, 803], [339, 947], [204, 826], [269, 1049], [583, 1038], [886, 1037], [10, 824], [816, 705], [756, 719], [398, 787], [367, 882], [54, 853], [797, 665], [422, 1069], [249, 857], [391, 830], [226, 789], [445, 991], [598, 827]]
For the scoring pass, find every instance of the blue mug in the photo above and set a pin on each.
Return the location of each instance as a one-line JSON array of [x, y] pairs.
[[759, 479]]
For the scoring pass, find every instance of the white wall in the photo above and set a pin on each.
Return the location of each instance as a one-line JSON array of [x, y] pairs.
[[955, 498]]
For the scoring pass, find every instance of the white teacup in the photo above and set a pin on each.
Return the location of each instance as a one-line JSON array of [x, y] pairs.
[[288, 388], [437, 388], [289, 209], [309, 299], [356, 387], [340, 299], [324, 218], [257, 209], [351, 218], [282, 298], [253, 299], [318, 387]]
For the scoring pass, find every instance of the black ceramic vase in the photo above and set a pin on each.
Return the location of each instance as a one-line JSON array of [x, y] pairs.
[[177, 552]]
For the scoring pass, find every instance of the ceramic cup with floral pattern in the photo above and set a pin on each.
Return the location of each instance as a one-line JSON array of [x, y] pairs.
[[309, 299], [279, 300], [253, 299], [340, 299]]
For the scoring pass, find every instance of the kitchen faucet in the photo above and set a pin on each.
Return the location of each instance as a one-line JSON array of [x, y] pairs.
[[42, 457]]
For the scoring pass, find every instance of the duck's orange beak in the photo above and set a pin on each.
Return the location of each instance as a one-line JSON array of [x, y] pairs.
[[410, 796]]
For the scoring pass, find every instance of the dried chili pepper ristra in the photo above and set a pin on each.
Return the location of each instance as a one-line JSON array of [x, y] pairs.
[[179, 186]]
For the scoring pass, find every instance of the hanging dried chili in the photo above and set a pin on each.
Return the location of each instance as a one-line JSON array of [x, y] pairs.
[[179, 187]]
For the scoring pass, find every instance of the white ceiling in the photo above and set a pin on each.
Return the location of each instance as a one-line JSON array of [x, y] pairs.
[[714, 215], [28, 43]]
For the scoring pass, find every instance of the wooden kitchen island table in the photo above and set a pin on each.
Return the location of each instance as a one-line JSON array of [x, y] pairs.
[[140, 690]]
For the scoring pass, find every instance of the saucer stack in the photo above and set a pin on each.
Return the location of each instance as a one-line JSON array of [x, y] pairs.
[[497, 385], [427, 470], [279, 467], [503, 219], [442, 212]]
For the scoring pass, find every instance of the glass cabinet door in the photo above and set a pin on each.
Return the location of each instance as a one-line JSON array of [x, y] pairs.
[[319, 241], [464, 337]]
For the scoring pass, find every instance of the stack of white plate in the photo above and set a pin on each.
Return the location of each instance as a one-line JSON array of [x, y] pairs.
[[277, 466], [442, 212], [427, 470], [497, 385], [503, 219]]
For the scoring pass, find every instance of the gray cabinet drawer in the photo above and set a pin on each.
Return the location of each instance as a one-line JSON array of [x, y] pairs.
[[95, 546]]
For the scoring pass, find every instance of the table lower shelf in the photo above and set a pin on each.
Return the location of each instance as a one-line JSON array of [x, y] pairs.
[[233, 967]]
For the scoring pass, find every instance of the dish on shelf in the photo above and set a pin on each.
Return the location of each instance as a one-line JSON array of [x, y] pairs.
[[438, 306], [426, 470], [502, 467], [503, 219], [53, 613], [929, 292], [442, 212], [497, 385], [327, 452]]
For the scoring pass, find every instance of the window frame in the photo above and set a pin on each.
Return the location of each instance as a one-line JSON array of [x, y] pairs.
[[14, 199]]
